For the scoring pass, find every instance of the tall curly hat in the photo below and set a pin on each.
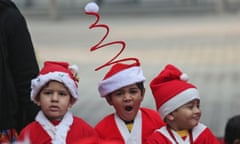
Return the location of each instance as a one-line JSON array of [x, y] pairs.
[[120, 74]]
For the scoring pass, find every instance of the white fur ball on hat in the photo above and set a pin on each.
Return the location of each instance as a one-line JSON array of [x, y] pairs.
[[184, 77], [92, 7]]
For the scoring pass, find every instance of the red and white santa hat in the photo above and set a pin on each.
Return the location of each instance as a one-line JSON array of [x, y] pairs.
[[171, 90], [120, 75], [58, 71]]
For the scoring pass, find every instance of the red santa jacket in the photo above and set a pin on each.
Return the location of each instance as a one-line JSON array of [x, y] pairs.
[[108, 129]]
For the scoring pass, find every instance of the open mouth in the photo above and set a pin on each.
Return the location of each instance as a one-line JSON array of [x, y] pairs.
[[128, 108]]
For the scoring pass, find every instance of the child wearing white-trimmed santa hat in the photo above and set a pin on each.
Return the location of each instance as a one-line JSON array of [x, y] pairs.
[[55, 90], [178, 103], [123, 88]]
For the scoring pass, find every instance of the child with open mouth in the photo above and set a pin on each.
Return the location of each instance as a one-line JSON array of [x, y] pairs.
[[123, 88]]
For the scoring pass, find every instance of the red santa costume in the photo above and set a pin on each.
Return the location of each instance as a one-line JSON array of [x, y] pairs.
[[200, 134], [66, 131], [70, 130], [113, 128], [171, 90]]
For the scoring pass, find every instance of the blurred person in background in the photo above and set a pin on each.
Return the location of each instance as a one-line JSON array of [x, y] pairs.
[[232, 130], [18, 65]]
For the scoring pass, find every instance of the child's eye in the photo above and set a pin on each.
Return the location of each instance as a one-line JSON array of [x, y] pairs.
[[62, 93], [198, 105], [190, 106], [133, 91], [47, 92], [119, 93]]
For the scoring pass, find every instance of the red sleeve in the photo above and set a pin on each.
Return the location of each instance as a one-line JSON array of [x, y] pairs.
[[157, 138], [207, 137], [34, 133], [107, 129], [80, 130], [151, 121]]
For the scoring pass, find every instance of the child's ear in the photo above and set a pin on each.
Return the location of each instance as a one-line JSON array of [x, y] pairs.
[[72, 101], [170, 117], [109, 99], [143, 93], [37, 103], [37, 100]]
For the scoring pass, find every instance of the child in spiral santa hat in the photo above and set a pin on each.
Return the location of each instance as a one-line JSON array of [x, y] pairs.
[[55, 90], [123, 88], [178, 103]]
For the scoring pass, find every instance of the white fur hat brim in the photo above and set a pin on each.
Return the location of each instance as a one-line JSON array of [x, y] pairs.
[[124, 78], [178, 100], [41, 80]]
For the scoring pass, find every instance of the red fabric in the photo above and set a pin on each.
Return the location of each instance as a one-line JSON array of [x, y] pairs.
[[168, 84], [53, 66], [206, 137], [78, 131], [119, 67], [108, 130]]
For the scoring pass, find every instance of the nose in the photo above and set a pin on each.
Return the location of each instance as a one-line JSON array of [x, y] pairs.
[[54, 97], [197, 109], [127, 97]]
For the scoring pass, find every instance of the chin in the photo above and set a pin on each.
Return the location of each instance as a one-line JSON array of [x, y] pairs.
[[195, 124]]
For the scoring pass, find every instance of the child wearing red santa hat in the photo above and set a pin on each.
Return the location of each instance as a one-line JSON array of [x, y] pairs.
[[55, 90], [123, 88], [178, 103]]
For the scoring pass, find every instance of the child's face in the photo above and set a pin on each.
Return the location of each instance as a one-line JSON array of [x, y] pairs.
[[55, 100], [186, 116], [126, 101]]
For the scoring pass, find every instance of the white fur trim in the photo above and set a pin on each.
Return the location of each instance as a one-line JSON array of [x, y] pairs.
[[74, 68], [196, 132], [92, 7], [121, 79], [184, 77], [163, 130], [57, 133], [178, 100], [135, 136], [41, 80]]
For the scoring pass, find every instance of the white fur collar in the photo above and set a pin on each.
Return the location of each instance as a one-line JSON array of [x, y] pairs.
[[57, 133], [135, 137]]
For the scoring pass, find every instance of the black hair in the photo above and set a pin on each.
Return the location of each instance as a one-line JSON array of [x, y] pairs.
[[232, 129], [140, 85]]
